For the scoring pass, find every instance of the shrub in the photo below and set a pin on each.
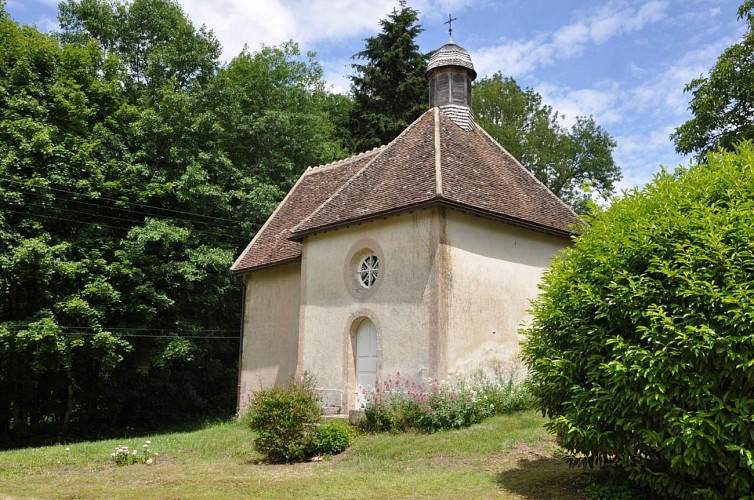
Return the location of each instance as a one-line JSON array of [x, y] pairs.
[[332, 437], [284, 420], [400, 404], [642, 341]]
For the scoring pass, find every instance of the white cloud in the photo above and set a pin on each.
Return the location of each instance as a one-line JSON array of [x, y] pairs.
[[271, 22], [642, 154], [602, 103], [664, 91], [336, 74], [571, 38], [609, 21]]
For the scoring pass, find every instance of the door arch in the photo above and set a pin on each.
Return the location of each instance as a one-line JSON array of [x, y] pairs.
[[366, 360]]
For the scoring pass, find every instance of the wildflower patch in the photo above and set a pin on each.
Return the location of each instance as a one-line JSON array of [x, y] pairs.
[[402, 404], [123, 455]]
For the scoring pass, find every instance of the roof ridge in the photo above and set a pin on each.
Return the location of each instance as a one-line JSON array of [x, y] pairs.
[[438, 151], [348, 159], [380, 151]]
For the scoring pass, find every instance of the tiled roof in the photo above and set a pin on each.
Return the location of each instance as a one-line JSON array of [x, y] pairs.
[[271, 245], [472, 172]]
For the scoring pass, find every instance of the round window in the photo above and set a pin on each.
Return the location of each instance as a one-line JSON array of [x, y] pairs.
[[368, 270], [364, 268]]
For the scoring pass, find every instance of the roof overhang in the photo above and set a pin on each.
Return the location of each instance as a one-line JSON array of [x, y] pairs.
[[442, 202]]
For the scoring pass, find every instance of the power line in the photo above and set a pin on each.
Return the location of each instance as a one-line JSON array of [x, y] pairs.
[[199, 232], [133, 222], [141, 329], [166, 333], [144, 205], [152, 336], [130, 211], [65, 220]]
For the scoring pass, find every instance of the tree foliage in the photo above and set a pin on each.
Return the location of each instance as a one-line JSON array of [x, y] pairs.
[[154, 39], [389, 90], [576, 164], [723, 102], [133, 168], [642, 341]]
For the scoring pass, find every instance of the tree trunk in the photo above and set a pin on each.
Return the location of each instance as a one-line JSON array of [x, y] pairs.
[[69, 402]]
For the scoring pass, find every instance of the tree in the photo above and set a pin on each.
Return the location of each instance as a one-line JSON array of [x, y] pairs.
[[57, 107], [390, 89], [723, 102], [576, 164], [127, 186], [641, 346], [153, 38]]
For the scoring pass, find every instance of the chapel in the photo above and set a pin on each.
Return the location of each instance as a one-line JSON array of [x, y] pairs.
[[419, 257]]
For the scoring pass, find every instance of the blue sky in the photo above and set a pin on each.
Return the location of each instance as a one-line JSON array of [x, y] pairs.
[[624, 62]]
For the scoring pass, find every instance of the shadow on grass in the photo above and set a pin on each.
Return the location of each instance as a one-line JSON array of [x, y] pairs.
[[544, 478], [100, 432]]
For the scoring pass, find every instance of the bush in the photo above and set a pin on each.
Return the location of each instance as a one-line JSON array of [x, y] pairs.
[[332, 437], [285, 421], [400, 404], [641, 349]]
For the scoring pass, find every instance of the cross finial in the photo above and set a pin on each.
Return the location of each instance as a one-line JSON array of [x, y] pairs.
[[449, 22]]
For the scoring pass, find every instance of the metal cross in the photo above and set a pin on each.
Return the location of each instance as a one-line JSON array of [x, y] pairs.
[[449, 22]]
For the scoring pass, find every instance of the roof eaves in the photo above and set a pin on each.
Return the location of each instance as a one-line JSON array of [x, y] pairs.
[[436, 201], [300, 235], [506, 218], [246, 270]]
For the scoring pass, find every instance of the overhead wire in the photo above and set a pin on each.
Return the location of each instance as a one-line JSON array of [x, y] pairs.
[[130, 211], [136, 204], [208, 233], [165, 332]]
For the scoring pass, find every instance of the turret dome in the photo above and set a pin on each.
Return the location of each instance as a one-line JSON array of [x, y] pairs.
[[451, 54], [450, 73]]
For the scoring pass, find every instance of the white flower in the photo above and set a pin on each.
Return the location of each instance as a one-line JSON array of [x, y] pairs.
[[149, 461], [134, 453], [146, 445], [112, 454], [67, 449], [148, 441]]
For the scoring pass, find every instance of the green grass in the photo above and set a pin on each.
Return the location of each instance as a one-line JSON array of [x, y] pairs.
[[509, 456]]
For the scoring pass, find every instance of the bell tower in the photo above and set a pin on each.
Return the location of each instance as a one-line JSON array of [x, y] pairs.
[[450, 73]]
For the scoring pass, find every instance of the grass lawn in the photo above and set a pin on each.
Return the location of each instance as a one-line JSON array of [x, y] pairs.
[[505, 457]]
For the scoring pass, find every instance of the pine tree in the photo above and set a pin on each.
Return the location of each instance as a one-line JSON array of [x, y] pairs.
[[390, 89]]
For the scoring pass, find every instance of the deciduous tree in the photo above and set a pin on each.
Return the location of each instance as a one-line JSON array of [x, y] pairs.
[[131, 174], [722, 102], [576, 164]]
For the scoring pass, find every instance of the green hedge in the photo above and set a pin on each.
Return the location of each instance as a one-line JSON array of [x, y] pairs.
[[641, 350]]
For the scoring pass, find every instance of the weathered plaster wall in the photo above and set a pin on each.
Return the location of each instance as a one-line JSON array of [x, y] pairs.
[[271, 318], [403, 305], [495, 270]]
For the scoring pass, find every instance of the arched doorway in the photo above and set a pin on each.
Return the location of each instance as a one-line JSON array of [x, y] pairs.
[[366, 360]]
